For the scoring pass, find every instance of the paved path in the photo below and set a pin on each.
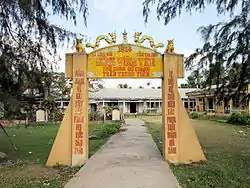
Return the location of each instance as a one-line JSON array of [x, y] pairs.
[[129, 159]]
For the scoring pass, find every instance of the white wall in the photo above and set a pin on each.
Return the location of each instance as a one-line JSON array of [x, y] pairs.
[[126, 108], [140, 107]]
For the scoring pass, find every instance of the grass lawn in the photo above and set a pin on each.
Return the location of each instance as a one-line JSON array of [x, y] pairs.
[[227, 148], [25, 168]]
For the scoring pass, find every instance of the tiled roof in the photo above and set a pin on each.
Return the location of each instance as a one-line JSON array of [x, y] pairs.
[[116, 93]]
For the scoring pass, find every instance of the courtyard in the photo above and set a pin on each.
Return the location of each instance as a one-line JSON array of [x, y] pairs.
[[226, 146]]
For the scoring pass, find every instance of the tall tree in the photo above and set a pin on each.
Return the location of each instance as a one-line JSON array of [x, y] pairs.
[[224, 43], [194, 80], [29, 41]]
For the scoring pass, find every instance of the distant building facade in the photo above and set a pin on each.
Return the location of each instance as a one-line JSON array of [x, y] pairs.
[[142, 101], [206, 100]]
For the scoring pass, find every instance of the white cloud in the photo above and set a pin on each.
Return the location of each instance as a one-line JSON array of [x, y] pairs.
[[118, 10]]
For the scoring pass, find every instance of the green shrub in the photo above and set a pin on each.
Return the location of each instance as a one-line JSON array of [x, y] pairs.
[[107, 130], [218, 118], [239, 119], [58, 116], [95, 116], [195, 115]]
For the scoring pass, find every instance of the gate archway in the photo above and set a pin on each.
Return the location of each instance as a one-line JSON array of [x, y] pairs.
[[180, 143]]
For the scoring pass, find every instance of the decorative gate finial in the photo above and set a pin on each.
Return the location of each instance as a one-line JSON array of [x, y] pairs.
[[79, 46], [170, 46], [125, 36], [110, 41], [139, 40]]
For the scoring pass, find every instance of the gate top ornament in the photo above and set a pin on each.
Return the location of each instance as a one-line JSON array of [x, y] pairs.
[[139, 40], [79, 46], [170, 46], [125, 37], [111, 39]]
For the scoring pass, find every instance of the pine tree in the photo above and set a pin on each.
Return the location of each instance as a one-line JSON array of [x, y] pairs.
[[29, 41], [225, 43]]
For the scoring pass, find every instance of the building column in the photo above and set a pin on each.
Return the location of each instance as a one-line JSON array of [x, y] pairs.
[[197, 104], [144, 106], [223, 105], [170, 110], [150, 106], [180, 143], [206, 104], [124, 106], [230, 105], [159, 106], [71, 143]]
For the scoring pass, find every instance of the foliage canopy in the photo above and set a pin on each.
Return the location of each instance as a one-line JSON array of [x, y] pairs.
[[226, 44], [29, 41]]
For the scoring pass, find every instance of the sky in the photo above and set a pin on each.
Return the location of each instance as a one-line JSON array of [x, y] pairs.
[[116, 15]]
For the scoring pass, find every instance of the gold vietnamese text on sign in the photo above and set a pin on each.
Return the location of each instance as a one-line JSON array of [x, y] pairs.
[[125, 61]]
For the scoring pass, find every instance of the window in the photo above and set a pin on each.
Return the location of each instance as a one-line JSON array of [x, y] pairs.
[[220, 103], [112, 103], [186, 104], [65, 103], [236, 103], [151, 104]]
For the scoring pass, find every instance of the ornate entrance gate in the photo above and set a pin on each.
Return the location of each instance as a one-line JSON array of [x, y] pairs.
[[180, 143]]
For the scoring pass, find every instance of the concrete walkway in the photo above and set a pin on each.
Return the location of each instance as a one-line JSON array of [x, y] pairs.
[[129, 159]]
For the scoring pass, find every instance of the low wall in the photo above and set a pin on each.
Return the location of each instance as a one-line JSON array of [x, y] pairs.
[[6, 123], [12, 122], [99, 122]]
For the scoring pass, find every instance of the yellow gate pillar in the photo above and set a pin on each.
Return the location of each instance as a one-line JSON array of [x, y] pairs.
[[180, 143], [71, 144]]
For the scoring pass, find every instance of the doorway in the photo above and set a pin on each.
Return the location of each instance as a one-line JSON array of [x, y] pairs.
[[133, 107], [93, 107]]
